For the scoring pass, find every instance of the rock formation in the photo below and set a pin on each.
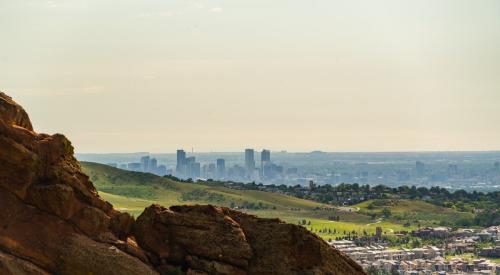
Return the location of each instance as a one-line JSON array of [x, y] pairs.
[[52, 221], [218, 240]]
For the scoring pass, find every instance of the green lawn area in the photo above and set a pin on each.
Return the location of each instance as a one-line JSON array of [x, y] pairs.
[[134, 206], [412, 211], [331, 229]]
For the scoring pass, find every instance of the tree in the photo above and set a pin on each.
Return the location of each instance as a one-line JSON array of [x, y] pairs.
[[371, 270], [386, 212]]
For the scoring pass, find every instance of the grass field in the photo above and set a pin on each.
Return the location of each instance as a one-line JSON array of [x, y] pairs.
[[331, 229], [413, 212], [133, 191]]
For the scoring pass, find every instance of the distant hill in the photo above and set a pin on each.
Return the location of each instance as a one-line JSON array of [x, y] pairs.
[[135, 190], [413, 211]]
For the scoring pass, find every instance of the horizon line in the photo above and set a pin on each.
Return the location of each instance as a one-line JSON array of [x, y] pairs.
[[297, 152]]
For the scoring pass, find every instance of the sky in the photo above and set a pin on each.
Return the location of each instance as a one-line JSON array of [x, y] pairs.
[[331, 75]]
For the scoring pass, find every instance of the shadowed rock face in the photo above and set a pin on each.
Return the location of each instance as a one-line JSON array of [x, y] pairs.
[[54, 222], [218, 240], [51, 217]]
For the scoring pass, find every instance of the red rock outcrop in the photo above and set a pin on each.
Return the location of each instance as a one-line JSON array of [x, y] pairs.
[[218, 240], [52, 221], [51, 217]]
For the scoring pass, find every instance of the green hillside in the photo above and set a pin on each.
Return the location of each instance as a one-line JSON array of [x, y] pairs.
[[133, 191], [411, 211]]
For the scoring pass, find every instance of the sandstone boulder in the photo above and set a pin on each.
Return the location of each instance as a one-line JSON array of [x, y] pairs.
[[216, 240]]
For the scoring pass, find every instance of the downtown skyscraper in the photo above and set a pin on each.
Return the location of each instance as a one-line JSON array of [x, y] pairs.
[[249, 162]]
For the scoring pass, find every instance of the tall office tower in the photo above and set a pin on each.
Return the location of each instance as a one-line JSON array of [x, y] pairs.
[[180, 169], [420, 166], [195, 170], [265, 157], [145, 164], [211, 171], [189, 167], [153, 165], [204, 171], [221, 168], [249, 162]]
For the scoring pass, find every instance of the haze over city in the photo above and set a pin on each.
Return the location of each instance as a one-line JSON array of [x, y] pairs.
[[286, 75]]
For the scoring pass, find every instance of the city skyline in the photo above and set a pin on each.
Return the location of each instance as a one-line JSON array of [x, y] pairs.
[[477, 171]]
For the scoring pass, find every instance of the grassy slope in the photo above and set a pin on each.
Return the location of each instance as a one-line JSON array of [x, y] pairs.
[[133, 191], [412, 211]]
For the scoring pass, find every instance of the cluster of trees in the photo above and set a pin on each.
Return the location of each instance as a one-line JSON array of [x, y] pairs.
[[485, 206], [354, 193], [484, 218]]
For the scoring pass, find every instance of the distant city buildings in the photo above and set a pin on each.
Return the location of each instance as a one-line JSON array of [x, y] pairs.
[[187, 167], [452, 170], [420, 167], [478, 171], [135, 166], [250, 162], [153, 165], [181, 163], [221, 168], [145, 164], [265, 158], [161, 170]]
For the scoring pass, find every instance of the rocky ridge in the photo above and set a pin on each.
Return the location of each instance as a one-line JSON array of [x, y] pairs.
[[54, 222]]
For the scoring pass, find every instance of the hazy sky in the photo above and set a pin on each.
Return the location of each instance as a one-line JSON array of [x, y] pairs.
[[143, 75]]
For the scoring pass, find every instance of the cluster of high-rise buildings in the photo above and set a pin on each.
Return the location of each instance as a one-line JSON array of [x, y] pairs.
[[188, 167], [147, 164], [150, 165], [481, 173]]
